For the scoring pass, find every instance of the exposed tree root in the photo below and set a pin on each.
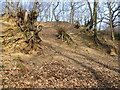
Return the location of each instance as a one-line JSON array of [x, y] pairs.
[[25, 37], [64, 36]]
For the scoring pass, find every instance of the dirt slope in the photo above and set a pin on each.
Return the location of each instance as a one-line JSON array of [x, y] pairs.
[[60, 65]]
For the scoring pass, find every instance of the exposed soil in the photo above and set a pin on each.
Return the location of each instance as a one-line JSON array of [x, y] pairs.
[[59, 65]]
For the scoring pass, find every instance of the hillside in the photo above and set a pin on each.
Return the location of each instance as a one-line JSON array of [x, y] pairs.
[[81, 64]]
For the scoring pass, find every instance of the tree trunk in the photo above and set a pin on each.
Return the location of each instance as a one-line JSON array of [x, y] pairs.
[[63, 14], [95, 14], [90, 9], [7, 7], [89, 25], [95, 21], [72, 13], [56, 19], [111, 23]]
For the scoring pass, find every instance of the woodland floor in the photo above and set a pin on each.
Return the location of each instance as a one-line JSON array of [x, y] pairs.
[[59, 65]]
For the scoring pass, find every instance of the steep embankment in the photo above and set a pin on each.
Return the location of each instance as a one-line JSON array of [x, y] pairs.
[[60, 65]]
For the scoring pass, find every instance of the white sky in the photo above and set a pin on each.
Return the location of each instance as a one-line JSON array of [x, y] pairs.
[[60, 0]]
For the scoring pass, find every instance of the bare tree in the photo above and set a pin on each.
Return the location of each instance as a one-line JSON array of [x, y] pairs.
[[7, 7], [72, 12], [63, 9], [110, 21], [56, 19], [95, 19], [47, 12], [89, 25], [113, 8], [11, 8]]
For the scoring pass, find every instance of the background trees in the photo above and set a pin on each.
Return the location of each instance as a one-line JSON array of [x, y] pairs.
[[113, 12], [83, 12]]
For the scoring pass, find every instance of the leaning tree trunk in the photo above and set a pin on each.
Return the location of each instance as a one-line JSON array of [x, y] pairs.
[[89, 24]]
